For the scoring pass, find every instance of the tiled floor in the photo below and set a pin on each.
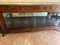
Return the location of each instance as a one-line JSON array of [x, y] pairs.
[[51, 37]]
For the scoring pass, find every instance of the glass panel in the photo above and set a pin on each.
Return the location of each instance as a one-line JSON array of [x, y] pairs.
[[17, 20], [8, 19], [40, 18], [55, 19], [31, 19]]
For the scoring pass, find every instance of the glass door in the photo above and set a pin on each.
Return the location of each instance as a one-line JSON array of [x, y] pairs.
[[31, 19]]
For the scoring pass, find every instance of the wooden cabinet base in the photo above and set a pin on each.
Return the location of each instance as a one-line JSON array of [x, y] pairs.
[[33, 29], [18, 30]]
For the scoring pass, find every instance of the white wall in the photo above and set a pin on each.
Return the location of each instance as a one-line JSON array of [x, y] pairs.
[[29, 1]]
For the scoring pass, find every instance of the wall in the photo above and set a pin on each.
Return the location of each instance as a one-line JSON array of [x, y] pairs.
[[29, 1]]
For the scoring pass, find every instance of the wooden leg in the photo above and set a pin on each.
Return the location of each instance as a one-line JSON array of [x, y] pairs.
[[3, 24], [2, 33]]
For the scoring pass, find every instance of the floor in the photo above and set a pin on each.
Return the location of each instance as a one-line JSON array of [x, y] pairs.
[[46, 37]]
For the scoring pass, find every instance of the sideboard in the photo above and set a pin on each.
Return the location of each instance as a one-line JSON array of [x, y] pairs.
[[24, 8]]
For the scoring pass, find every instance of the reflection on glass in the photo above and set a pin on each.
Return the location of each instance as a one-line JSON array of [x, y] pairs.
[[31, 19]]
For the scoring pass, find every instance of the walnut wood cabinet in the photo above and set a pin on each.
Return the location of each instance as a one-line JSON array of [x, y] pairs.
[[24, 8]]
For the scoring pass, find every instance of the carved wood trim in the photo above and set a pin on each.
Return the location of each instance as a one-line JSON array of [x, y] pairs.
[[27, 8]]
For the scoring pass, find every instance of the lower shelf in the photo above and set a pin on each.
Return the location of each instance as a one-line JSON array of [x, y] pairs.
[[18, 30]]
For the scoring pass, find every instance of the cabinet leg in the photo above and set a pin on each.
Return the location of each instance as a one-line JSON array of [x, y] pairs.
[[3, 33], [3, 24]]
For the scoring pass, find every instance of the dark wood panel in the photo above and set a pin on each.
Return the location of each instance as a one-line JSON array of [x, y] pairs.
[[15, 30]]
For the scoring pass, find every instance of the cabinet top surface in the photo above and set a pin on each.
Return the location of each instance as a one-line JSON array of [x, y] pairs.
[[28, 3]]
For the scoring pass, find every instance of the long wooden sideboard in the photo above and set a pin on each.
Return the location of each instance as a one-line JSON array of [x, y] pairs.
[[24, 8]]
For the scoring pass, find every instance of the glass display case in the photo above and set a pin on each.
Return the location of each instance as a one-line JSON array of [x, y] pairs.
[[31, 19]]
